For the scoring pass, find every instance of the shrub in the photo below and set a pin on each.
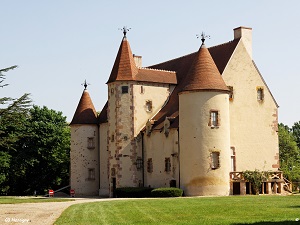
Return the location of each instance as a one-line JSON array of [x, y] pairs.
[[167, 192], [133, 192]]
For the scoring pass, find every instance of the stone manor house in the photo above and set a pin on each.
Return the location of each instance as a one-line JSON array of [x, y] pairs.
[[195, 122]]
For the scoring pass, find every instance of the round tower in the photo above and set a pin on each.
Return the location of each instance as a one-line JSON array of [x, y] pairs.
[[204, 129], [84, 155]]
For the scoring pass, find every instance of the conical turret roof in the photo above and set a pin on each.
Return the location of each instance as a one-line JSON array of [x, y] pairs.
[[203, 74], [85, 112], [124, 67]]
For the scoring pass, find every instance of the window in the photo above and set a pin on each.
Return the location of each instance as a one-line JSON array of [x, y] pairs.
[[142, 89], [112, 138], [230, 93], [215, 160], [233, 163], [139, 163], [124, 89], [260, 93], [167, 164], [149, 165], [91, 143], [214, 118], [91, 174], [149, 106]]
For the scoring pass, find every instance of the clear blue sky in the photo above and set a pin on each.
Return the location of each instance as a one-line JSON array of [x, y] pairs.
[[59, 43]]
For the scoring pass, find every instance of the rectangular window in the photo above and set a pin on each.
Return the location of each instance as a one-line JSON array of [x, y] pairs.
[[142, 89], [230, 93], [215, 160], [214, 118], [139, 163], [149, 165], [260, 93], [91, 174], [233, 163], [124, 89], [91, 143], [167, 164], [149, 106]]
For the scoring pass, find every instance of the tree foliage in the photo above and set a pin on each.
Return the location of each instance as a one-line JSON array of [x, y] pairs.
[[34, 146], [289, 153]]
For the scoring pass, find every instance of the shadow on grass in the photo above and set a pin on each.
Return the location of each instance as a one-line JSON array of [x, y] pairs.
[[270, 223]]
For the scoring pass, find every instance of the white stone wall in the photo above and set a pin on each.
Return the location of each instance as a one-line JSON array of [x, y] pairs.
[[104, 182], [82, 159], [143, 92], [158, 147], [198, 140], [253, 123]]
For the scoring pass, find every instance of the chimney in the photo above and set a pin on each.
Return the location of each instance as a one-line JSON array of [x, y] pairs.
[[245, 33], [137, 60]]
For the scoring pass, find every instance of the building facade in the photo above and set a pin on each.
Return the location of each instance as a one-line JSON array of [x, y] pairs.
[[192, 122]]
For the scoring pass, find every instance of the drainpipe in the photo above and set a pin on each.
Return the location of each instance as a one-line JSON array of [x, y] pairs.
[[178, 158], [98, 150], [143, 160]]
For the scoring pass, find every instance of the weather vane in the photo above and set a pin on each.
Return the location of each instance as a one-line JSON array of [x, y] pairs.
[[203, 36], [85, 84], [125, 30]]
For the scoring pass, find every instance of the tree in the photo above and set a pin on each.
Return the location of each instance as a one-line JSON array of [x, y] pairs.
[[42, 159], [12, 113], [296, 132], [34, 146], [289, 153]]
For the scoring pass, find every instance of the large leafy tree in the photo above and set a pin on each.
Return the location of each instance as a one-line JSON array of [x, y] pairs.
[[13, 111], [34, 146], [44, 153], [289, 153]]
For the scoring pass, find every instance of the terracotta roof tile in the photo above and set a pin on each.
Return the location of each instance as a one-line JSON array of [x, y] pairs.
[[220, 54], [124, 67], [204, 74], [156, 76], [103, 115], [85, 112]]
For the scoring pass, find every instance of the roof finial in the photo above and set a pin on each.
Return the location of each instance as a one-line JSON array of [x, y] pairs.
[[203, 36], [85, 84], [125, 30]]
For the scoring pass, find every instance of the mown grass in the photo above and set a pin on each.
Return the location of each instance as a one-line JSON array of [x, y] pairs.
[[17, 200], [203, 210]]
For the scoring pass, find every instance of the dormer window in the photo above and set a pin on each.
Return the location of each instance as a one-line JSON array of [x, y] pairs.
[[124, 89]]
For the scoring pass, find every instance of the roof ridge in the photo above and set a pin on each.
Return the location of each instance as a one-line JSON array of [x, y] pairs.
[[146, 68], [229, 42], [170, 60]]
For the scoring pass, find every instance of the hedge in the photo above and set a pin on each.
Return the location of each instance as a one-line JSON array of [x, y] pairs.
[[167, 192], [133, 192]]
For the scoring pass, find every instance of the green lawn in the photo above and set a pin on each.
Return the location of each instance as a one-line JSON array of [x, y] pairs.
[[203, 210], [17, 200]]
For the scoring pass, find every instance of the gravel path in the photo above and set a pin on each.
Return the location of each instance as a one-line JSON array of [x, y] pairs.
[[44, 213]]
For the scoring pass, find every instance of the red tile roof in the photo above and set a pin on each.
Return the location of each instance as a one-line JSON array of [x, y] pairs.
[[203, 74], [103, 114], [124, 69], [85, 112], [220, 54]]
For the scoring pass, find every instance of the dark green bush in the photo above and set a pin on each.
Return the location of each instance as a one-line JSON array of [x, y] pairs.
[[167, 192], [133, 192]]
